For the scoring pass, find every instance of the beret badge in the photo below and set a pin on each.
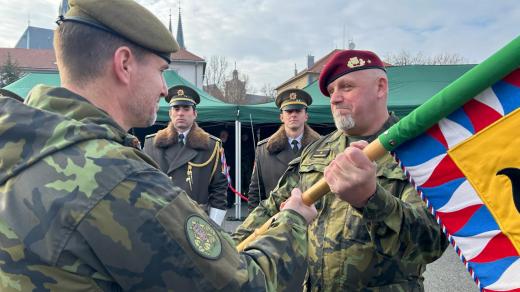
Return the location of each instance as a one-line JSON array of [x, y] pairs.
[[356, 62]]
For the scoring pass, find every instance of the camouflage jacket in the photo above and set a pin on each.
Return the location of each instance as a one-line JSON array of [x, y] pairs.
[[383, 247], [272, 156], [82, 210]]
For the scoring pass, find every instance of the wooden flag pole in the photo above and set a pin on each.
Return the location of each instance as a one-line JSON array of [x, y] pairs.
[[373, 151]]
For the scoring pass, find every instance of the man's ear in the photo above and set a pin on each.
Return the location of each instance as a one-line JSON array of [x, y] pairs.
[[281, 116], [123, 60], [382, 87]]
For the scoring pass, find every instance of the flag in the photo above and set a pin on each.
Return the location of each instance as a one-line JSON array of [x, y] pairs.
[[225, 167], [461, 152], [225, 171]]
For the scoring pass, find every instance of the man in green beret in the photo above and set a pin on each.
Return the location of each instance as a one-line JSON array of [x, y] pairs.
[[274, 153], [189, 155], [83, 209]]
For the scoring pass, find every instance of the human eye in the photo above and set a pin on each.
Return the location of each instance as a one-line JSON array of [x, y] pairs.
[[346, 86]]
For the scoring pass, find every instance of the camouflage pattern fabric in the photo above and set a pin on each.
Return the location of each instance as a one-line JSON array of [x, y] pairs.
[[383, 247], [272, 156], [82, 210]]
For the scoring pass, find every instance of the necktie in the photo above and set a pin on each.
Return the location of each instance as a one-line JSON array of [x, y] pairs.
[[294, 146], [181, 139]]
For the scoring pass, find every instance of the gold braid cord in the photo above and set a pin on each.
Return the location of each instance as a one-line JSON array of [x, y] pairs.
[[189, 173]]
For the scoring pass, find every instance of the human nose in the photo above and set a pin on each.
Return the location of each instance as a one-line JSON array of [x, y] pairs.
[[335, 97], [164, 88]]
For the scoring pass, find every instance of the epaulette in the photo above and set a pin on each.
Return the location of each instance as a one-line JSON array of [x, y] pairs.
[[261, 142], [215, 138], [150, 136]]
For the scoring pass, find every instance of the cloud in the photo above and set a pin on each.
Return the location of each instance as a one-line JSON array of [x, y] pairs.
[[267, 37], [16, 14]]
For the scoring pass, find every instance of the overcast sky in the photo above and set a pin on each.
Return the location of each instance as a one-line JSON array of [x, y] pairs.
[[267, 38]]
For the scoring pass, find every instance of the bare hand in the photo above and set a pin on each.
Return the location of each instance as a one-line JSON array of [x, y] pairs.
[[352, 176], [295, 203]]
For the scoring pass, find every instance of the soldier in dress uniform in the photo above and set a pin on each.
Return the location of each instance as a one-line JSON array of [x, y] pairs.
[[274, 153], [190, 156]]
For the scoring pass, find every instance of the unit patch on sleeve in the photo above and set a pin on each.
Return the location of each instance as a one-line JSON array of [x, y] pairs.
[[203, 237]]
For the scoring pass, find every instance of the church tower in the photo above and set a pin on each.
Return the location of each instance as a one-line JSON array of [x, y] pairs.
[[180, 34]]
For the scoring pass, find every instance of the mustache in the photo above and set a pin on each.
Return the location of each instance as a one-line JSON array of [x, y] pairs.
[[343, 107]]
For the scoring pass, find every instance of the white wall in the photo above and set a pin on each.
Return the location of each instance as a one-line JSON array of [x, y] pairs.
[[191, 71]]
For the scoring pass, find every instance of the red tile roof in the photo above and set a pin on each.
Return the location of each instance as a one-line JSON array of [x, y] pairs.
[[30, 59], [184, 55], [37, 59], [318, 66]]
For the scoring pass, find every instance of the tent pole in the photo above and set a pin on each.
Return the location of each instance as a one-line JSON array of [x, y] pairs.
[[238, 150]]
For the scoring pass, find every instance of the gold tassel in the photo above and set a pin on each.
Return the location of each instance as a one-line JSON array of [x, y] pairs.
[[189, 176]]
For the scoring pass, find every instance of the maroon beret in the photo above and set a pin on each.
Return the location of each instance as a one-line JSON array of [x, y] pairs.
[[344, 62]]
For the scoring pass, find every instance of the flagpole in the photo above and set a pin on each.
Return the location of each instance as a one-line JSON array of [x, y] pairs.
[[454, 96]]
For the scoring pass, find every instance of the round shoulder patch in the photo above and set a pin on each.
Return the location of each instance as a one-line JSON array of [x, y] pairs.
[[203, 238]]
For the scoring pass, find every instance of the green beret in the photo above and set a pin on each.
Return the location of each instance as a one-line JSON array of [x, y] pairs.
[[127, 19], [293, 99]]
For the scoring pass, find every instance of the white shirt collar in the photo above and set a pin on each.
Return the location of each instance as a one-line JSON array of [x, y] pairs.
[[185, 133], [299, 139]]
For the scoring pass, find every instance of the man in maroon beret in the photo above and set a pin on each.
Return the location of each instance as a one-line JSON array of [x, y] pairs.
[[373, 232]]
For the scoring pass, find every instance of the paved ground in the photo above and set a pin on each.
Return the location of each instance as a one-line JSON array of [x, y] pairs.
[[446, 274]]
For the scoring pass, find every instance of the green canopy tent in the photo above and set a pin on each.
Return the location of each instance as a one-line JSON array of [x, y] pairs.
[[210, 109], [23, 85], [410, 86]]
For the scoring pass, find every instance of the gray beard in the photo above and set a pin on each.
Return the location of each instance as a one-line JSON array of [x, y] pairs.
[[343, 123]]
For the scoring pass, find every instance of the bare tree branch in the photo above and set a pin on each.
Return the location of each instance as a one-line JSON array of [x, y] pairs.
[[406, 58], [269, 91], [216, 72]]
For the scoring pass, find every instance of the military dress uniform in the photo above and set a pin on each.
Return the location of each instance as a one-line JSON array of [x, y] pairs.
[[194, 164], [84, 210], [274, 153], [383, 246]]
